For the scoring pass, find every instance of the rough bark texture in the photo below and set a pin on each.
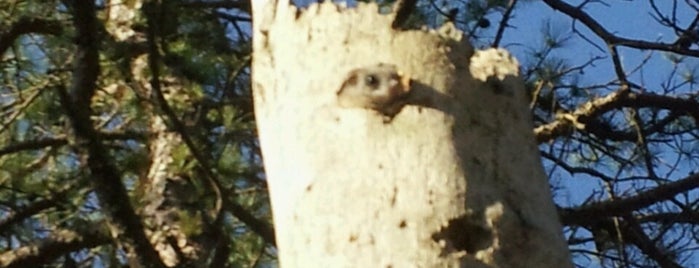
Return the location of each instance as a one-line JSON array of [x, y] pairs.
[[113, 197], [454, 179], [161, 190], [52, 247]]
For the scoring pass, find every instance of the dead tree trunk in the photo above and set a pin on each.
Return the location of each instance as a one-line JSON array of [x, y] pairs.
[[444, 173]]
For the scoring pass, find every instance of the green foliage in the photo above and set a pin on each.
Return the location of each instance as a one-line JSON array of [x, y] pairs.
[[202, 54], [200, 65]]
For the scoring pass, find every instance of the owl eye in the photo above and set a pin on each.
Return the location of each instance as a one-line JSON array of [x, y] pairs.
[[372, 81]]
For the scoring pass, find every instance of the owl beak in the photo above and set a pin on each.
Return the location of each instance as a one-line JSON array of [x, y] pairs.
[[404, 82]]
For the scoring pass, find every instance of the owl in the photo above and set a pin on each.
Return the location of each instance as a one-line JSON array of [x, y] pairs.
[[379, 87]]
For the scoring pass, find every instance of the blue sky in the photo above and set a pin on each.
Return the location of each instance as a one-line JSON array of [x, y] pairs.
[[629, 19]]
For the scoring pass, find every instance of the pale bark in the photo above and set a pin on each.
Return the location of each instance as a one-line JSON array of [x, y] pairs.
[[160, 191], [454, 179], [160, 200]]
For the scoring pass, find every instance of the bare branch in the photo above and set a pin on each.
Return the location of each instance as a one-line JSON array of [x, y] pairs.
[[232, 18], [612, 39], [239, 4], [57, 244], [504, 22], [27, 25], [61, 140], [33, 145], [566, 123], [106, 180], [27, 212], [635, 234], [619, 207]]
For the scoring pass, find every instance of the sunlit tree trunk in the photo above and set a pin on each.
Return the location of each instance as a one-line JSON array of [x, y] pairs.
[[161, 192], [453, 179]]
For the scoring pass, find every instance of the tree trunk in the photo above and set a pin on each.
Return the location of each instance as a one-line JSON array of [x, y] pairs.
[[161, 192], [453, 178]]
